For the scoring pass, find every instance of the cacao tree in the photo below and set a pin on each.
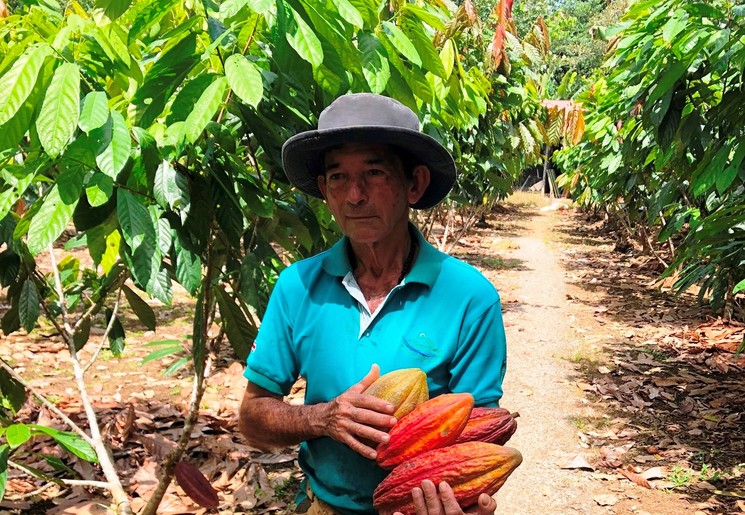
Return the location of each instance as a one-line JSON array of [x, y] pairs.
[[664, 148]]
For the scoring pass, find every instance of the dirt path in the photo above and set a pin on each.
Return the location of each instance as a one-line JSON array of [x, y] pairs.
[[542, 382]]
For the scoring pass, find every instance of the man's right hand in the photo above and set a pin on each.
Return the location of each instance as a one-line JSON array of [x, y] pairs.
[[358, 420]]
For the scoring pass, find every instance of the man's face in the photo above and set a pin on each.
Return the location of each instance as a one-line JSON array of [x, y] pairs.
[[366, 190]]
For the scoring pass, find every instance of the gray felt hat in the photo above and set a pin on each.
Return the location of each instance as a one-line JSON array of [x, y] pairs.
[[368, 118]]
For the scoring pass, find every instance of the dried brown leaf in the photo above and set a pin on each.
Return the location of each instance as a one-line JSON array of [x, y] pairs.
[[635, 478]]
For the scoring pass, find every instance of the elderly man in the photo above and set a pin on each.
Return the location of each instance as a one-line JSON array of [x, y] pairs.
[[381, 299]]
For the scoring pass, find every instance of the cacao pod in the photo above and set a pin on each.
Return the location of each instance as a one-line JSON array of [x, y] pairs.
[[405, 389], [491, 425], [195, 485], [470, 468], [434, 423]]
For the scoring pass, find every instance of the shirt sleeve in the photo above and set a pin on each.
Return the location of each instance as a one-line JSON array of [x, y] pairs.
[[272, 364], [480, 358]]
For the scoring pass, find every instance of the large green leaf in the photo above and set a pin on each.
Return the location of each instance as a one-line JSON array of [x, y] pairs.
[[430, 57], [664, 83], [4, 453], [402, 43], [115, 145], [188, 267], [349, 13], [139, 234], [71, 442], [245, 79], [205, 108], [49, 222], [17, 434], [113, 8], [142, 309], [28, 305], [148, 14], [375, 65], [59, 113], [12, 392], [239, 330], [165, 188], [95, 111], [19, 81], [304, 41], [162, 79]]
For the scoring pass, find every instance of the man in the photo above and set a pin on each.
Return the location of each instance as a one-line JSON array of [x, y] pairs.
[[381, 299]]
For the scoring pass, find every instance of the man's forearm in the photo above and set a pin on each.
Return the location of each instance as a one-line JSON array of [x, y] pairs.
[[268, 422]]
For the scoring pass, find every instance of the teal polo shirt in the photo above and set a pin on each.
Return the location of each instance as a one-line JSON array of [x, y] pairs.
[[445, 318]]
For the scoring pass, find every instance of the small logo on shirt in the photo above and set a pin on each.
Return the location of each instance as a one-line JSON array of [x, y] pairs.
[[420, 345]]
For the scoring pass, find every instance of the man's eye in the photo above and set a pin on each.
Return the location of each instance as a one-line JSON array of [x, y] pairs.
[[334, 177], [375, 171]]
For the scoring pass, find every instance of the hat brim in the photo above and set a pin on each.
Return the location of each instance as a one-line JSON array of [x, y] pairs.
[[302, 157]]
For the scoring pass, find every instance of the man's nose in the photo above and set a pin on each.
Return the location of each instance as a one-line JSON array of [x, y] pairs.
[[357, 191]]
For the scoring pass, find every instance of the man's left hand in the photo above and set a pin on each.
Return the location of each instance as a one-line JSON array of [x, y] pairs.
[[431, 500]]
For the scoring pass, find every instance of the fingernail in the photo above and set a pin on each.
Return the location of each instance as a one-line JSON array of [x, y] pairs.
[[386, 438]]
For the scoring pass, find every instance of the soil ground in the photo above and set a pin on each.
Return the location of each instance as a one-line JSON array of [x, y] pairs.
[[629, 400]]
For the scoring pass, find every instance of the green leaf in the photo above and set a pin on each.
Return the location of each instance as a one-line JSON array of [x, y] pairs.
[[239, 330], [4, 453], [95, 111], [19, 81], [205, 108], [666, 81], [349, 13], [402, 43], [12, 391], [116, 334], [160, 285], [142, 309], [139, 234], [165, 189], [17, 189], [188, 268], [113, 8], [739, 287], [148, 14], [50, 221], [17, 434], [28, 305], [114, 146], [674, 26], [304, 41], [430, 57], [162, 79], [99, 189], [447, 56], [187, 96], [245, 79], [59, 113], [431, 19], [71, 442], [375, 65]]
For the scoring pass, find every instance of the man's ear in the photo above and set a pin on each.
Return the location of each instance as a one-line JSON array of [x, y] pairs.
[[419, 183], [322, 185]]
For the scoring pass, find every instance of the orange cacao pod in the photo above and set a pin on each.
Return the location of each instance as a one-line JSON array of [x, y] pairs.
[[492, 425], [195, 485], [434, 423], [405, 389], [470, 468]]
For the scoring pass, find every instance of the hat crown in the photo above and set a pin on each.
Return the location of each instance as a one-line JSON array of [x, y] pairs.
[[367, 110]]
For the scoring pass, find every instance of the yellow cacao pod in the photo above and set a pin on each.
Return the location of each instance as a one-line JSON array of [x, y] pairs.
[[405, 389]]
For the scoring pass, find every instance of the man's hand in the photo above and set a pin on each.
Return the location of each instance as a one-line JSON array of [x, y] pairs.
[[358, 420], [428, 500]]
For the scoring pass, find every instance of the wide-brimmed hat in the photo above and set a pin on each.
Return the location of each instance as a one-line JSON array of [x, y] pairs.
[[369, 118]]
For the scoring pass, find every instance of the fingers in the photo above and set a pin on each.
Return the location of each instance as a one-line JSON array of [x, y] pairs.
[[440, 500], [369, 379], [487, 505]]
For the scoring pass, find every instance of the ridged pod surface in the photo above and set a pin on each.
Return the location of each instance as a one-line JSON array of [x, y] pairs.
[[491, 425], [405, 389], [470, 468], [433, 424]]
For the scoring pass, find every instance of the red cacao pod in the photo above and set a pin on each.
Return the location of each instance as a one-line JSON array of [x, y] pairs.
[[434, 423], [470, 468], [405, 389], [195, 485], [491, 425]]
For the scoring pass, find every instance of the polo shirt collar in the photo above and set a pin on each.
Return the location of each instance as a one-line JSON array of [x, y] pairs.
[[425, 270]]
